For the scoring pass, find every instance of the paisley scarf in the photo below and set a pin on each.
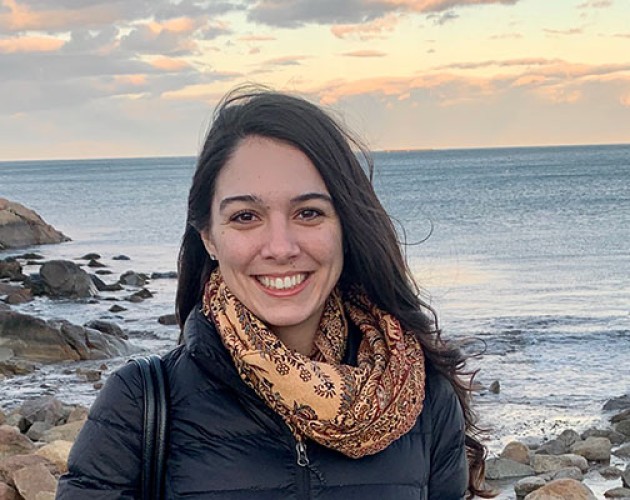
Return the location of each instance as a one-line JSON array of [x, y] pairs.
[[356, 410]]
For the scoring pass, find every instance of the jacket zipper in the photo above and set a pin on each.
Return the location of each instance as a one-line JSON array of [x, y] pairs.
[[304, 475]]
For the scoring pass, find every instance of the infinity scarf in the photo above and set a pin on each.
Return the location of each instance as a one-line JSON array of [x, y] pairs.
[[358, 410]]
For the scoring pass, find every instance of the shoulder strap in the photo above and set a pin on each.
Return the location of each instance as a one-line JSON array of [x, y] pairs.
[[154, 439]]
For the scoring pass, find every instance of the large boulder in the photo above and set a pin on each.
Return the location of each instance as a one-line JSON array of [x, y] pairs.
[[22, 227], [29, 338], [12, 442], [63, 278]]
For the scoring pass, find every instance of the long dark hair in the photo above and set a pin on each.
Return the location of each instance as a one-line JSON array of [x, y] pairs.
[[373, 256]]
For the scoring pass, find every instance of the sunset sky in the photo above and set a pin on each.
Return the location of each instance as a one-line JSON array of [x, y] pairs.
[[118, 78]]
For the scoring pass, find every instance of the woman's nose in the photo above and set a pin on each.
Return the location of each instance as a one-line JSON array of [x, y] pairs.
[[280, 241]]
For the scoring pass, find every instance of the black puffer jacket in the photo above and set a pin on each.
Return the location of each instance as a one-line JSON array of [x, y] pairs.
[[225, 443]]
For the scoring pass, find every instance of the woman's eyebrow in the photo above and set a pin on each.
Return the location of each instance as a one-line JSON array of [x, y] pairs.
[[246, 198], [312, 196]]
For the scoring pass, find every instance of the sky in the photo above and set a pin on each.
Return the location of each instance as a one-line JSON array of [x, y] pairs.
[[128, 78]]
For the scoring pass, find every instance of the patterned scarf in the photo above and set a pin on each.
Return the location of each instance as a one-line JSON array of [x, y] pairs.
[[358, 410]]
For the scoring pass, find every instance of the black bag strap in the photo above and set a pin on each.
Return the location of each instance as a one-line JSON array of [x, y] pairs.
[[154, 439]]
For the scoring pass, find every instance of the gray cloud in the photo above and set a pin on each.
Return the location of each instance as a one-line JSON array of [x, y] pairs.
[[145, 41], [570, 31], [442, 18], [294, 13], [88, 41]]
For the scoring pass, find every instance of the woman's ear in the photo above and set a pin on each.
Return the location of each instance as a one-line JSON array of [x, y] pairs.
[[207, 243]]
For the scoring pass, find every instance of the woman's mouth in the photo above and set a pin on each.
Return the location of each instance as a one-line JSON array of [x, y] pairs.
[[282, 283]]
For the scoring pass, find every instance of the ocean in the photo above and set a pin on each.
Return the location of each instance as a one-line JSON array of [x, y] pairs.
[[523, 252]]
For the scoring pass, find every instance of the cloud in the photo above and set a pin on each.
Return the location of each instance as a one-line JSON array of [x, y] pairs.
[[256, 38], [532, 61], [365, 53], [506, 36], [367, 30], [595, 4], [285, 61], [30, 44], [570, 31], [294, 13], [442, 18]]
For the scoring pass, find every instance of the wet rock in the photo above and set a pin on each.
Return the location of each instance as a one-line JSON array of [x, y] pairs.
[[516, 451], [167, 319], [12, 270], [609, 472], [495, 387], [132, 278], [63, 278], [623, 427], [116, 308], [13, 442], [12, 294], [623, 451], [562, 489], [31, 481], [140, 295], [29, 256], [567, 473], [618, 493], [90, 256], [120, 257], [56, 453], [22, 227], [526, 485], [503, 468], [14, 367], [90, 375], [107, 327], [95, 263], [624, 415], [625, 477], [167, 275], [103, 272], [619, 403], [596, 449], [101, 286], [550, 463]]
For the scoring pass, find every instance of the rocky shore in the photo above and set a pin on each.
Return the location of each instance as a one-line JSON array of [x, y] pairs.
[[36, 433]]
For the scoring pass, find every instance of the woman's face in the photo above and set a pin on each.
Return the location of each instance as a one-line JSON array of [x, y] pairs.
[[276, 235]]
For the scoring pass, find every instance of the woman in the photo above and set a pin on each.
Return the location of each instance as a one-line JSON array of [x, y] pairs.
[[307, 367]]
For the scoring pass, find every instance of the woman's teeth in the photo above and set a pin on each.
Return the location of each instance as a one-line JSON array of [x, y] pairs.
[[282, 283]]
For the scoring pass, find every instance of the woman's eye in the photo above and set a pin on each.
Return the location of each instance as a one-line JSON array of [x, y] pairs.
[[243, 217], [309, 213]]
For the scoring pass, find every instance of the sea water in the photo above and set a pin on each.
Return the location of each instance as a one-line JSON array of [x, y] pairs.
[[523, 252]]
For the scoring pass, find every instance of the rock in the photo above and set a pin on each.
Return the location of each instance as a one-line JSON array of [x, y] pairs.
[[116, 308], [495, 387], [101, 286], [65, 432], [11, 269], [562, 489], [12, 294], [90, 256], [36, 431], [596, 449], [16, 462], [620, 403], [16, 366], [623, 451], [34, 339], [526, 485], [568, 473], [63, 278], [56, 453], [609, 472], [140, 295], [8, 493], [167, 319], [623, 427], [79, 412], [120, 257], [103, 272], [625, 477], [107, 327], [517, 452], [34, 479], [22, 227], [167, 275], [613, 436], [95, 263], [12, 442], [553, 447], [624, 415], [46, 409], [90, 375], [503, 468], [550, 463], [29, 256], [132, 278], [618, 493]]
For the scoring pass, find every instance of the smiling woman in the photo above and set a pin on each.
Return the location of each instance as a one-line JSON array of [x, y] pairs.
[[308, 367]]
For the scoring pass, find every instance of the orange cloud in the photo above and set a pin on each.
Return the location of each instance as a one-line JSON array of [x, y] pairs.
[[131, 79], [22, 18], [256, 38], [365, 53], [441, 5], [177, 25], [168, 64], [30, 44], [366, 31]]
